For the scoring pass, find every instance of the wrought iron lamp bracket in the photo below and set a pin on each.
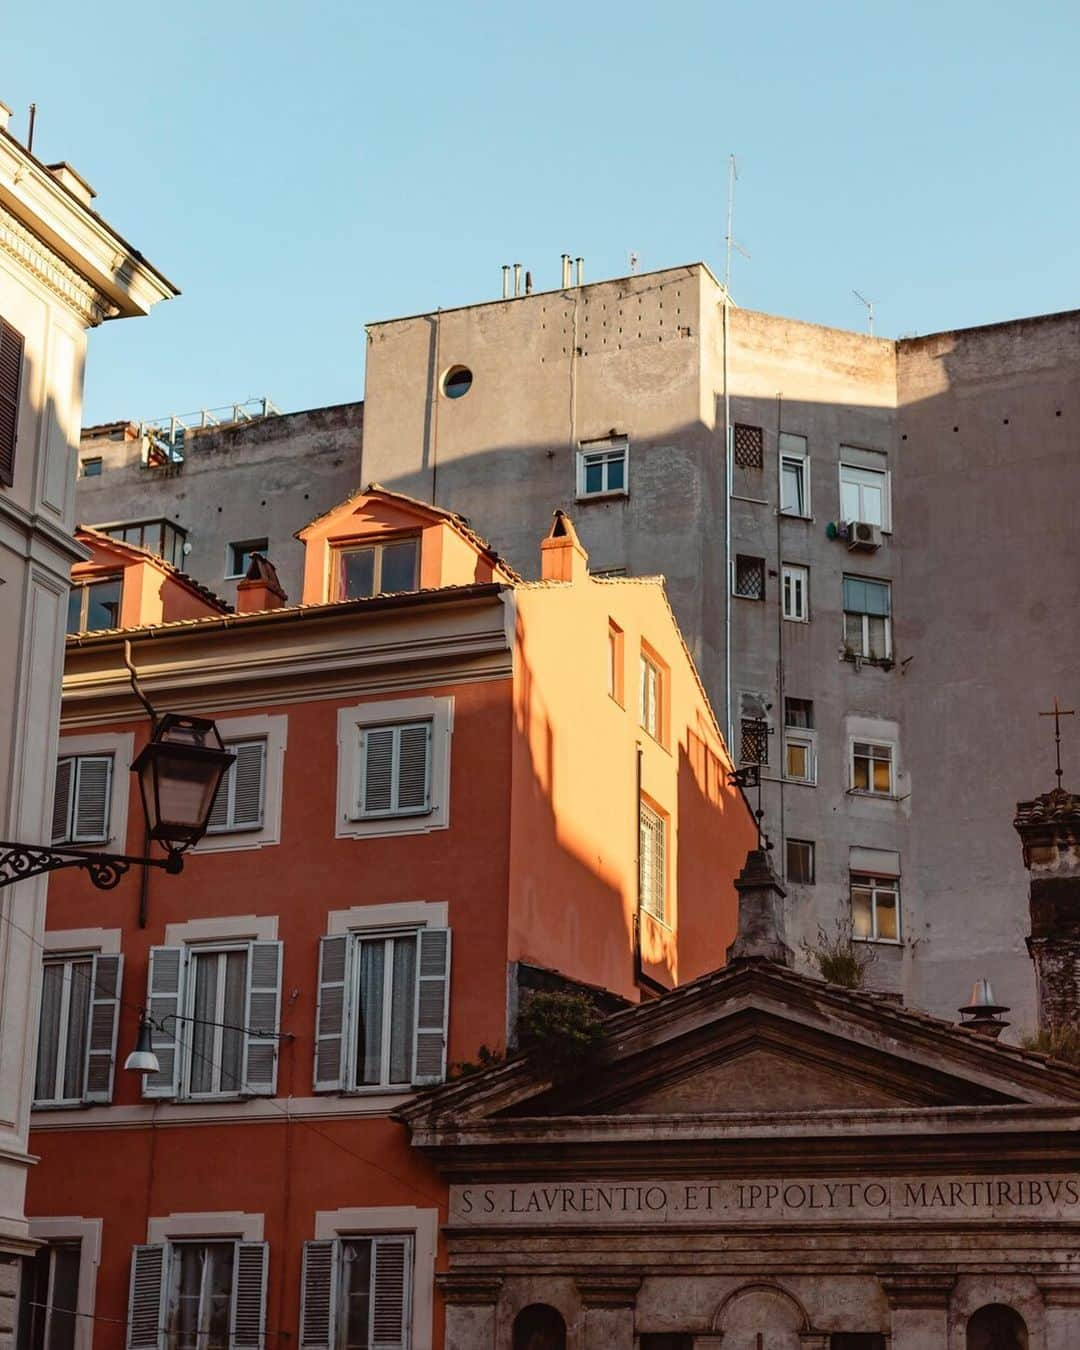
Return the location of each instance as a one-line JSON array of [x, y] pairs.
[[18, 862]]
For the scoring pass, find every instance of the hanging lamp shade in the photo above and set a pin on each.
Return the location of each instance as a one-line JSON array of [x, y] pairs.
[[142, 1059], [180, 770]]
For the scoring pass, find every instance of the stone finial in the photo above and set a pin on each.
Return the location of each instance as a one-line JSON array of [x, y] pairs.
[[1049, 830], [761, 935]]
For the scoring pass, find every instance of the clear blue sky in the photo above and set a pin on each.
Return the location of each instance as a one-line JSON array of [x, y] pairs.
[[300, 169]]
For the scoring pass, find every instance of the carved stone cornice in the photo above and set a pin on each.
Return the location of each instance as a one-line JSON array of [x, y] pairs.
[[915, 1289], [90, 307], [1060, 1291], [608, 1291], [465, 1287]]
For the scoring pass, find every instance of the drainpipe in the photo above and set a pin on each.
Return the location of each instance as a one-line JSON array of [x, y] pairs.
[[782, 860], [729, 480], [642, 980]]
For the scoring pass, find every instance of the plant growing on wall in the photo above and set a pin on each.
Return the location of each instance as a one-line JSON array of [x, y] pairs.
[[486, 1058], [838, 957], [1060, 1041], [561, 1032]]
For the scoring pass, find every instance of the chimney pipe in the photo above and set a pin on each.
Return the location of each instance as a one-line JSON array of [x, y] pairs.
[[580, 271], [528, 283], [506, 281], [981, 1011], [566, 271], [517, 278]]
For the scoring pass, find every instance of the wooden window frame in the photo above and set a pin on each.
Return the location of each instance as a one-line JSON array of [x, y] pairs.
[[876, 884], [811, 848], [871, 744], [341, 547]]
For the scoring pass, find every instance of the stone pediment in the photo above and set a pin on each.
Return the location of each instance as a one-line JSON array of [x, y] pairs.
[[759, 1038]]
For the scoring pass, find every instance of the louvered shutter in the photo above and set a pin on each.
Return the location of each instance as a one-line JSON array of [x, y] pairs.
[[101, 1035], [432, 1005], [164, 990], [247, 786], [146, 1299], [219, 812], [11, 357], [61, 817], [391, 1259], [377, 770], [318, 1295], [93, 781], [331, 1018], [263, 1000], [413, 760], [247, 1323]]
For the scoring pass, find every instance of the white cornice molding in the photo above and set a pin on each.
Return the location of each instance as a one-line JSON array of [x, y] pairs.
[[88, 305], [76, 234]]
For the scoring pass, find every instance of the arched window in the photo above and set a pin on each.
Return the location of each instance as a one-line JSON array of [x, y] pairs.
[[996, 1327], [539, 1327]]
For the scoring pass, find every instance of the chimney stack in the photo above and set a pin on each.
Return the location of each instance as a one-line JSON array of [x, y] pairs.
[[561, 556], [761, 935], [260, 589], [1049, 830]]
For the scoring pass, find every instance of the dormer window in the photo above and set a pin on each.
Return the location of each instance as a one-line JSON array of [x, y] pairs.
[[94, 605], [375, 569]]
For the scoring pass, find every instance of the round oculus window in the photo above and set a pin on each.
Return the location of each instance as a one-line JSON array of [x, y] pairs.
[[457, 382]]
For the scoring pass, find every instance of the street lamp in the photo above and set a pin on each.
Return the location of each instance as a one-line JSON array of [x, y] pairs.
[[180, 770]]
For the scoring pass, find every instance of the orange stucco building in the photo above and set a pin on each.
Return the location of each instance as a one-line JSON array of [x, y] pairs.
[[452, 788]]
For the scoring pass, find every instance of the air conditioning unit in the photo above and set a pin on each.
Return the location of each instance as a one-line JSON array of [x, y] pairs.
[[863, 535]]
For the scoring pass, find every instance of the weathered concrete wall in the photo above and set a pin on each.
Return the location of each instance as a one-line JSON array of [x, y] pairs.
[[250, 480]]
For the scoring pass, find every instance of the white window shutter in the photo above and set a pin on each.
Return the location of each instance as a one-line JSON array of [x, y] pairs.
[[164, 992], [107, 972], [432, 1005], [247, 785], [61, 817], [391, 1298], [413, 767], [331, 1017], [263, 1002], [219, 812], [93, 784], [247, 1319], [146, 1298], [318, 1295], [377, 770]]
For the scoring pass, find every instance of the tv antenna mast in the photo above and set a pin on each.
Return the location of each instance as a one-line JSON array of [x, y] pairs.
[[634, 260], [729, 238], [869, 311]]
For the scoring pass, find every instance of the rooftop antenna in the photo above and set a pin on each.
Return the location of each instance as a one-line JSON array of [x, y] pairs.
[[869, 311], [30, 130], [729, 238], [634, 260]]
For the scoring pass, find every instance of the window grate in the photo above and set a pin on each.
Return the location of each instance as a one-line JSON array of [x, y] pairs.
[[754, 741], [749, 447], [749, 577]]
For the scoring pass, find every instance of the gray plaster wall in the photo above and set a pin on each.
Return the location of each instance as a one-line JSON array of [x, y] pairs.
[[981, 557], [249, 480]]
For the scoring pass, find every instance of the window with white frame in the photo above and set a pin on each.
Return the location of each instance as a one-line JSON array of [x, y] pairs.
[[81, 799], [48, 1297], [384, 1003], [794, 475], [868, 618], [198, 1294], [238, 803], [652, 849], [363, 570], [602, 468], [394, 767], [214, 1014], [875, 907], [800, 759], [864, 489], [80, 1002], [796, 592], [800, 861], [872, 768], [357, 1292], [651, 697]]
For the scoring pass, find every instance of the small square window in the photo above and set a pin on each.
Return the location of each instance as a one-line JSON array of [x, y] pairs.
[[749, 577], [602, 469], [875, 908], [800, 861], [799, 712], [799, 758], [749, 444], [91, 468], [796, 592], [377, 569], [94, 605], [240, 555], [872, 768]]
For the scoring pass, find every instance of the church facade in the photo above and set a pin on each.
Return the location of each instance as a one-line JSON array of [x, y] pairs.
[[762, 1161]]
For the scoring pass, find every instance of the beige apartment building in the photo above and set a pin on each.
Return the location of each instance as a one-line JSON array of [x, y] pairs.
[[63, 270], [876, 584]]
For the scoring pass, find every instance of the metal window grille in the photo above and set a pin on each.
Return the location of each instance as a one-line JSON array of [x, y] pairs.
[[749, 447], [754, 741], [750, 577]]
